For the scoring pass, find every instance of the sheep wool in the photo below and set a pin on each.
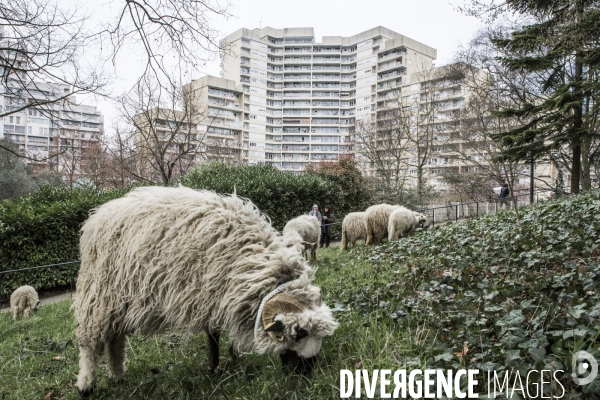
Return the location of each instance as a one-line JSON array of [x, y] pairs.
[[353, 229], [402, 221], [376, 221], [23, 300], [308, 228], [175, 258]]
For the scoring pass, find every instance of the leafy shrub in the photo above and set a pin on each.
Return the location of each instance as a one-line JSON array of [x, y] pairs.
[[521, 299], [349, 181], [43, 228], [278, 194], [354, 187]]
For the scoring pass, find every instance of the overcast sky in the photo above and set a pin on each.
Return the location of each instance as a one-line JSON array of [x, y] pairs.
[[435, 23]]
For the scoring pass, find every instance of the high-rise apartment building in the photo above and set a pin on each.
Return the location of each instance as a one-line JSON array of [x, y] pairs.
[[44, 119], [55, 136], [300, 97], [452, 131]]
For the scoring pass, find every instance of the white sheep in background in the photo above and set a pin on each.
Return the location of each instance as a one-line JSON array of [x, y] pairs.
[[23, 300], [376, 220], [404, 221], [353, 229], [309, 230], [175, 258]]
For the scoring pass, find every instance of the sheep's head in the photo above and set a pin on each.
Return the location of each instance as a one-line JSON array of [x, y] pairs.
[[422, 220], [298, 329]]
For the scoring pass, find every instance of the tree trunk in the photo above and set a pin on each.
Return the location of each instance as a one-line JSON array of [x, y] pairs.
[[576, 166], [586, 176], [577, 115]]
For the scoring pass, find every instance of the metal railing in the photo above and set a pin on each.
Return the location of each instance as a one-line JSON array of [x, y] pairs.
[[459, 211]]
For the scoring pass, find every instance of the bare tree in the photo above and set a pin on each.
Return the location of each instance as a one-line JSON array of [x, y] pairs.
[[397, 145], [42, 46], [382, 146], [160, 139]]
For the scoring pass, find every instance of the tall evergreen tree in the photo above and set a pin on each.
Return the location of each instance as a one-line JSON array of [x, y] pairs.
[[562, 47]]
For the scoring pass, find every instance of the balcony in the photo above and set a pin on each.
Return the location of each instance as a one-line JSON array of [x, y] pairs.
[[392, 55], [325, 121], [391, 75], [302, 94], [326, 50], [389, 85], [326, 94], [326, 85], [301, 68], [296, 77], [297, 50], [326, 77], [390, 65], [297, 121]]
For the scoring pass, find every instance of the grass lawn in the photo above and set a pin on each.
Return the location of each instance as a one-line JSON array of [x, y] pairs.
[[39, 356], [484, 294]]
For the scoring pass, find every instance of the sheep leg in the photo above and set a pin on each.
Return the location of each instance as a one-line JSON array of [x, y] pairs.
[[369, 241], [116, 356], [87, 370], [233, 352], [313, 252], [213, 350], [26, 311]]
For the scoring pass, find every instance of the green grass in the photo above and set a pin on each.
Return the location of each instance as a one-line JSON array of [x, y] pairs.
[[172, 366], [522, 298]]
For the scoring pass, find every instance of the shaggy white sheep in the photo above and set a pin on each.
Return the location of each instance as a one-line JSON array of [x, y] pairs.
[[23, 300], [404, 221], [376, 221], [309, 230], [353, 229], [175, 258]]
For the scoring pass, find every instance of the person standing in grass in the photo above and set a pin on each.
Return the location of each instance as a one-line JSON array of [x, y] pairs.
[[315, 212], [326, 222]]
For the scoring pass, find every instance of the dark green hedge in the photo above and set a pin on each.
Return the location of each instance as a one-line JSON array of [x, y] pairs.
[[43, 228], [280, 195]]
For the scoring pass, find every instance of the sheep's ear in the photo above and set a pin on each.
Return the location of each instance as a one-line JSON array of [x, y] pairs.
[[276, 326]]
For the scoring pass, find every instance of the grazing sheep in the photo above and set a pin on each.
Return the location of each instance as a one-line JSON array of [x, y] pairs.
[[353, 229], [309, 230], [23, 300], [175, 258], [376, 222], [404, 221]]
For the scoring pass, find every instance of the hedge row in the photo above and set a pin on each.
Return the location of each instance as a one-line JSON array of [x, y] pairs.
[[282, 195], [43, 228]]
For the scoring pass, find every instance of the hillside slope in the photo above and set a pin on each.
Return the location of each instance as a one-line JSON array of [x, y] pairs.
[[485, 294]]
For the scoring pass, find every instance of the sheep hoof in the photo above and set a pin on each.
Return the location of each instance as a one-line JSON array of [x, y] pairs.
[[215, 371], [85, 392]]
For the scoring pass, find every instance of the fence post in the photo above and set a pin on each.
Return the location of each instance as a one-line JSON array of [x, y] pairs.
[[477, 204], [433, 218], [456, 215]]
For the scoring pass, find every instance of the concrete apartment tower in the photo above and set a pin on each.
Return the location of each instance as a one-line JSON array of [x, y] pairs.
[[301, 97]]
